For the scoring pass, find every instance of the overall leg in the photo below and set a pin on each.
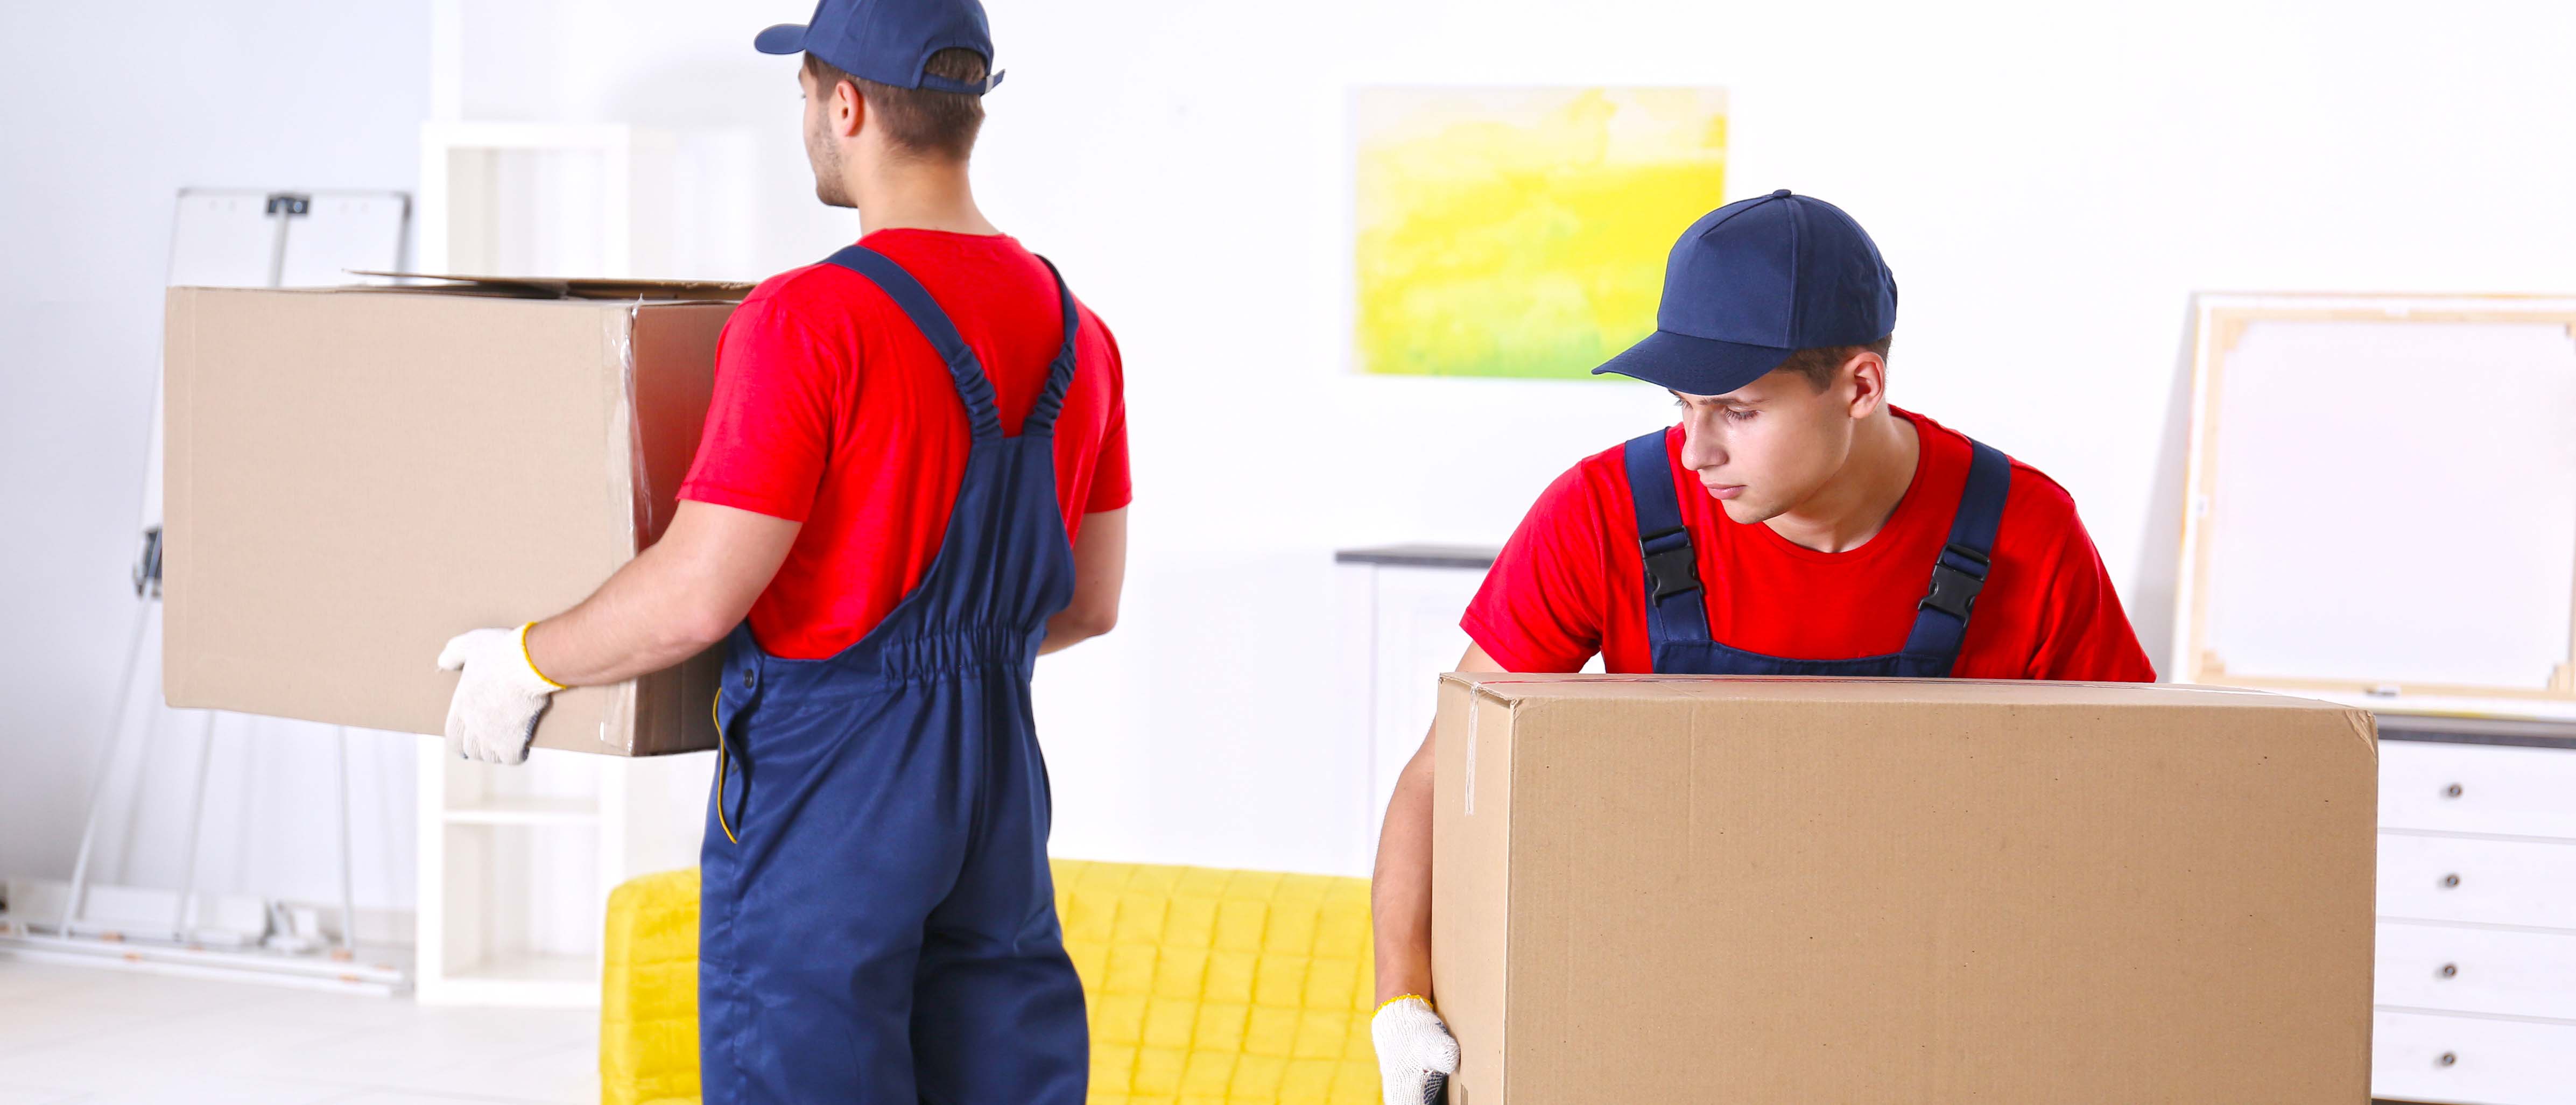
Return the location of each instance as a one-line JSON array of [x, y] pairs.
[[848, 829], [997, 1008]]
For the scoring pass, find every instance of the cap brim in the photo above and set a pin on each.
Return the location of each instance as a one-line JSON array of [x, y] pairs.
[[785, 38], [1695, 366]]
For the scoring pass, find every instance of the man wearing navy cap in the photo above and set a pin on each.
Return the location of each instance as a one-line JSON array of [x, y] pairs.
[[1792, 523], [912, 481]]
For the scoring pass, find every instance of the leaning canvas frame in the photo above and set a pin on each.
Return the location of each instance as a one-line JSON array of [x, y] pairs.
[[2220, 324]]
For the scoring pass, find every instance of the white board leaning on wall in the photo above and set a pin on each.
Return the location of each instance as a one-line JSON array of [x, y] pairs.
[[2382, 502]]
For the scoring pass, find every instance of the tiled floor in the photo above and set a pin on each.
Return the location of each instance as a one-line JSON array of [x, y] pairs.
[[108, 1037]]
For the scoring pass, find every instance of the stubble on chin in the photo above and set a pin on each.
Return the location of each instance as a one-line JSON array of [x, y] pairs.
[[826, 162]]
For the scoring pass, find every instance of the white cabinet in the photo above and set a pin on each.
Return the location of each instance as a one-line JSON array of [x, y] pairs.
[[2451, 969], [2476, 980], [2472, 1060], [1400, 610], [2491, 882], [2476, 788]]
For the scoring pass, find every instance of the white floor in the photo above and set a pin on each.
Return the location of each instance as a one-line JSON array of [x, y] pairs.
[[110, 1037]]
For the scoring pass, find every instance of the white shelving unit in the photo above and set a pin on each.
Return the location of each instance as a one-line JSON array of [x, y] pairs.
[[546, 199], [516, 863]]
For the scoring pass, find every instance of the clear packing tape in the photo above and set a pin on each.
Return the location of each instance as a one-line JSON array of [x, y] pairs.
[[655, 411]]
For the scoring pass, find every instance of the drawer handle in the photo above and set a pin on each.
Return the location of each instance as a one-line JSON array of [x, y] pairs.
[[2450, 970], [2450, 881], [2448, 1058], [2451, 791]]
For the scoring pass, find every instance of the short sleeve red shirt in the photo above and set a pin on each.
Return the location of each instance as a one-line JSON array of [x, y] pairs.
[[1571, 581], [832, 410]]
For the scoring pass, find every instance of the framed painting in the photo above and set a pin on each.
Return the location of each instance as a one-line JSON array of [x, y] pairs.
[[1521, 232]]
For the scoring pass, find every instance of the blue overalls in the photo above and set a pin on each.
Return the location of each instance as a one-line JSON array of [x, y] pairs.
[[877, 919], [1677, 617]]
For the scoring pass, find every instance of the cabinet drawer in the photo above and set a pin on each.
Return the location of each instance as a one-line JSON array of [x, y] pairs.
[[2431, 1057], [2503, 882], [2477, 788], [2460, 970]]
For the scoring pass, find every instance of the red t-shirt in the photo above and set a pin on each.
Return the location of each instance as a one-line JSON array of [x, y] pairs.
[[1571, 582], [832, 410]]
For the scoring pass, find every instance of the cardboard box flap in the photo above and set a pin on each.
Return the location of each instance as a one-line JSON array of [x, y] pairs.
[[1518, 687], [546, 287]]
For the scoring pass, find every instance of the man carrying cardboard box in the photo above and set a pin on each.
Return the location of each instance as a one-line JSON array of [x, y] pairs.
[[913, 480], [1834, 535]]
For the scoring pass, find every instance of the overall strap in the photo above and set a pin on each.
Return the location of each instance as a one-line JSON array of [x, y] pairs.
[[1041, 420], [908, 294], [1941, 619], [1675, 608]]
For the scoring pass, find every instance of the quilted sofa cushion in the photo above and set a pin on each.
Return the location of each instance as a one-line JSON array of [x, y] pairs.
[[1205, 986], [648, 1000]]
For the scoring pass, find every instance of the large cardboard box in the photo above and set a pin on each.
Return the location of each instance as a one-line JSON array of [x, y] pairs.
[[355, 475], [1901, 891]]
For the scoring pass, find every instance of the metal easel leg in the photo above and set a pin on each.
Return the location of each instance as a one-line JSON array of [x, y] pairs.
[[348, 896], [184, 917], [280, 210], [107, 765]]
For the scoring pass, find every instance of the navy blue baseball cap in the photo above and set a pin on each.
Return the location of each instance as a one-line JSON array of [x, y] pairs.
[[1754, 281], [889, 41]]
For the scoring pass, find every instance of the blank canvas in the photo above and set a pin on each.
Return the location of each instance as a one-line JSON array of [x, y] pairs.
[[2391, 501]]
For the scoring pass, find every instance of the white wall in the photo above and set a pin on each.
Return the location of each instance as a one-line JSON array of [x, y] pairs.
[[106, 111], [2049, 182]]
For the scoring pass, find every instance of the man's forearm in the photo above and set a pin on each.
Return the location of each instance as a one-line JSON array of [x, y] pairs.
[[1400, 893], [673, 601], [1065, 631], [1099, 575], [635, 624]]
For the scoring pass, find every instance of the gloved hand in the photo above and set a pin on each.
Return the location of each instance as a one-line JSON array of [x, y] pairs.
[[500, 697], [1415, 1054]]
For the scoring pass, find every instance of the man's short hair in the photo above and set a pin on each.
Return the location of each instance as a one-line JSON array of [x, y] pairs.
[[919, 121], [1818, 365]]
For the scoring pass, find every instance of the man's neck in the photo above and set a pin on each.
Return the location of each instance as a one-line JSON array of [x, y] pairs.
[[1852, 508], [919, 196]]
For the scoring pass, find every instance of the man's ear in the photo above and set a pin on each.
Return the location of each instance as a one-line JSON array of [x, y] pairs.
[[848, 109], [1867, 372]]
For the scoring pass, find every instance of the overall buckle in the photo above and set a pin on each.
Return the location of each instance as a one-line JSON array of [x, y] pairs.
[[1954, 589], [1674, 570]]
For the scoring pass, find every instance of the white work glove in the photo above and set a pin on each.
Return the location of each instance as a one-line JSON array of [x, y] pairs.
[[1415, 1054], [499, 698]]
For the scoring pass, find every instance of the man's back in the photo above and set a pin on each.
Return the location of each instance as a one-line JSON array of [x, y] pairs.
[[831, 409]]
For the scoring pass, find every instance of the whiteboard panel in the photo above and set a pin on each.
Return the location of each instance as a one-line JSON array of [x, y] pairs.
[[222, 238], [2390, 500], [228, 238], [341, 231]]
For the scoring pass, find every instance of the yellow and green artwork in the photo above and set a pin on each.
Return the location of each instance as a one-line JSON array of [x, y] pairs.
[[1521, 232]]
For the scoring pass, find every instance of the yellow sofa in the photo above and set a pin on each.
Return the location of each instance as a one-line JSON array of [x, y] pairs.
[[1205, 987]]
